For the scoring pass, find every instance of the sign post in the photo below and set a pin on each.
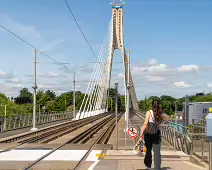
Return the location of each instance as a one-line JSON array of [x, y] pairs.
[[116, 109]]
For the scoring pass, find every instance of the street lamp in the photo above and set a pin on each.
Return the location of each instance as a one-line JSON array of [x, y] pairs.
[[5, 114]]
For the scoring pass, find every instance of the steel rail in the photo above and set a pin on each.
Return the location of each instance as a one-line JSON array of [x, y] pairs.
[[95, 142], [73, 123], [84, 134]]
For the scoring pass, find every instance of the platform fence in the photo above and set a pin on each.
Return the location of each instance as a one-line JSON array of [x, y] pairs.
[[25, 120], [200, 143]]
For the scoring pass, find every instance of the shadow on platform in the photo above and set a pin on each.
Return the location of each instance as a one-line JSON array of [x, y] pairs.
[[163, 168]]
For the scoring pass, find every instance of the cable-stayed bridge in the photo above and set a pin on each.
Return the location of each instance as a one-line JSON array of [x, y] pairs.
[[96, 138], [97, 91]]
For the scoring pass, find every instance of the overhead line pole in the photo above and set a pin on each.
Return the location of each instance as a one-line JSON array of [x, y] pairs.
[[116, 110], [74, 100], [128, 90], [34, 101]]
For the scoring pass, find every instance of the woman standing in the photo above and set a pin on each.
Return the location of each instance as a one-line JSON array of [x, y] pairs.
[[152, 135]]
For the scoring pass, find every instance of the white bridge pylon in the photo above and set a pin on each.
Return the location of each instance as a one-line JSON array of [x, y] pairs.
[[94, 102]]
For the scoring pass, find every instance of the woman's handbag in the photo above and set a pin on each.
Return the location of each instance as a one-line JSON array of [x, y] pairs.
[[152, 127]]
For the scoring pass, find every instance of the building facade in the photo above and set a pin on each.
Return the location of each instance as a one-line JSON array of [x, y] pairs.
[[195, 111]]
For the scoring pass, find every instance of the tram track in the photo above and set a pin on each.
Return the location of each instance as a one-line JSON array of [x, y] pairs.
[[51, 133], [102, 129]]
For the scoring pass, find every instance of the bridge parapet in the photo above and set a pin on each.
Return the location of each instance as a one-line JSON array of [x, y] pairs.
[[177, 135], [25, 120]]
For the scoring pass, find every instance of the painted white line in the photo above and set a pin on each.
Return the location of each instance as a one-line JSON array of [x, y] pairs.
[[93, 165], [60, 155]]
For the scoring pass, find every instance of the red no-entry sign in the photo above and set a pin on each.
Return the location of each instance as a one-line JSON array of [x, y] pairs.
[[132, 132]]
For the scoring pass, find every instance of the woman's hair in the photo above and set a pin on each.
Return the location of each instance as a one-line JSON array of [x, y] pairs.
[[156, 110]]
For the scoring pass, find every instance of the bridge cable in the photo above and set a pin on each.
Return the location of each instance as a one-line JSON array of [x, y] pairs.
[[95, 76]]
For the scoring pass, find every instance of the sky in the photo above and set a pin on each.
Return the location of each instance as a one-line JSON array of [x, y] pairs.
[[170, 43]]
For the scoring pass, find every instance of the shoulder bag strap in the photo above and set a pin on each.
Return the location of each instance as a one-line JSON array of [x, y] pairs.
[[153, 119]]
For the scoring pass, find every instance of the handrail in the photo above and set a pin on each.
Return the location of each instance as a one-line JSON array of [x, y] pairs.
[[22, 120]]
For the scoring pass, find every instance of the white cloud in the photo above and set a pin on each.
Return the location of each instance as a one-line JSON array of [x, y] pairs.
[[209, 85], [160, 68], [188, 68], [155, 78], [51, 74], [152, 62], [23, 30], [5, 75], [13, 80], [46, 86], [121, 76], [15, 85], [181, 84], [52, 44]]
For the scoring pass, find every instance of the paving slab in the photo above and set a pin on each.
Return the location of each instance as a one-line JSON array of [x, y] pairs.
[[139, 165]]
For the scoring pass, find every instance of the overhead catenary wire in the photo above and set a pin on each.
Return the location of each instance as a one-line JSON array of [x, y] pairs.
[[71, 12]]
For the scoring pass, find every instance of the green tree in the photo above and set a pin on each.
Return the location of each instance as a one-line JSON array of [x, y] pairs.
[[24, 97], [50, 93]]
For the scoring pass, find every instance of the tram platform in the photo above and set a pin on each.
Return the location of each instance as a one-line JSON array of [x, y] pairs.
[[113, 160], [102, 156]]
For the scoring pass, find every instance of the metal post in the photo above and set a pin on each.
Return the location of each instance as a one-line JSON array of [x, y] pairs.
[[175, 127], [116, 109], [65, 103], [107, 100], [186, 111], [202, 141], [145, 105], [111, 104], [74, 100], [34, 101], [210, 155], [128, 91], [5, 116]]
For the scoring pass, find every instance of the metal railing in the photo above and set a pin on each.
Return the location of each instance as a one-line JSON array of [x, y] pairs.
[[177, 135], [200, 143], [23, 120]]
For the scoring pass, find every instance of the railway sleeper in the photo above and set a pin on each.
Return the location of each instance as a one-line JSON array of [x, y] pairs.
[[93, 131], [65, 131], [78, 138], [33, 134]]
